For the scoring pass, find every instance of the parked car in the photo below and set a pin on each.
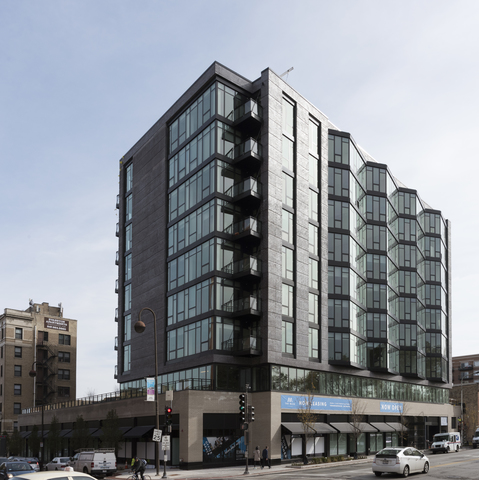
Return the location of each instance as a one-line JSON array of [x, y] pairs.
[[58, 463], [99, 463], [55, 476], [33, 461], [12, 469], [400, 460]]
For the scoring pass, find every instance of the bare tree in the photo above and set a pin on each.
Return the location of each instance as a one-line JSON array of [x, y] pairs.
[[308, 418], [404, 421], [357, 419]]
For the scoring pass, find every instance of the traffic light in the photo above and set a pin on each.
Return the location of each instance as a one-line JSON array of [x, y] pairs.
[[251, 413], [168, 415], [242, 407]]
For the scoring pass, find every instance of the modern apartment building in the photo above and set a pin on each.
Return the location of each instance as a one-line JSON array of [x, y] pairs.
[[276, 253], [37, 360]]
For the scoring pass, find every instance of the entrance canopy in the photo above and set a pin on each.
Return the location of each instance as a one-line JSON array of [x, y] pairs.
[[297, 428]]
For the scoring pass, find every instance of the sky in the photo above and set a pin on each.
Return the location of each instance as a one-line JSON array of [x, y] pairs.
[[82, 81]]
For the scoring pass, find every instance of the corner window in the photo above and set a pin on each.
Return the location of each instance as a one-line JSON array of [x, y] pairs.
[[18, 333], [18, 352]]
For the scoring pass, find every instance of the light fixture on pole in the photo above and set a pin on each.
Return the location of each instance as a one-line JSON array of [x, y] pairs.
[[140, 328], [33, 374]]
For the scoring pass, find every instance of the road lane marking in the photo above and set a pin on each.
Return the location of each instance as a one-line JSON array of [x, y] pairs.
[[453, 463]]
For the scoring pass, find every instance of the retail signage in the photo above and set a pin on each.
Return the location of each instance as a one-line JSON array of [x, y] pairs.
[[292, 402], [443, 421], [150, 389], [391, 407], [56, 324]]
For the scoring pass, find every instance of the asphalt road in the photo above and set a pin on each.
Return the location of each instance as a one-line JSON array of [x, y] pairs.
[[463, 465]]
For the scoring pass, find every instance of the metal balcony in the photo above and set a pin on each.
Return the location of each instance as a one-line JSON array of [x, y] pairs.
[[118, 202], [248, 268], [116, 285], [247, 231], [247, 308], [116, 343], [243, 346], [117, 229], [465, 366], [248, 117], [247, 193], [115, 375], [116, 314], [117, 259], [248, 155]]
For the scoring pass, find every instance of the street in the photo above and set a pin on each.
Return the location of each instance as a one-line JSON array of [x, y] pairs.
[[458, 466]]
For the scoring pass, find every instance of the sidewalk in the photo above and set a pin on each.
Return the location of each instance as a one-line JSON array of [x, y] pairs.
[[225, 472]]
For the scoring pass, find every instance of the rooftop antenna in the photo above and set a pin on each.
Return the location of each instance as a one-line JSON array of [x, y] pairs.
[[286, 73]]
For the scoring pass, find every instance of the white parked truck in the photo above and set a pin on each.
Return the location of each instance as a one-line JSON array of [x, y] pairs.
[[475, 438], [446, 442], [97, 463]]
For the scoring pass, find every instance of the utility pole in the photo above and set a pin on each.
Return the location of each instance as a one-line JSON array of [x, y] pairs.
[[246, 417]]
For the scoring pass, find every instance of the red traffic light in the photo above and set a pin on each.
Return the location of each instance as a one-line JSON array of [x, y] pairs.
[[169, 410]]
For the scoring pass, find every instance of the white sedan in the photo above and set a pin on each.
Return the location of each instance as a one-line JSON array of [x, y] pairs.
[[400, 460]]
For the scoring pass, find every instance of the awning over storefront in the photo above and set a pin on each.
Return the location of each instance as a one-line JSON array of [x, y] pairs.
[[383, 427], [343, 427], [123, 430], [138, 431], [297, 428], [25, 434], [367, 428], [66, 432], [399, 427]]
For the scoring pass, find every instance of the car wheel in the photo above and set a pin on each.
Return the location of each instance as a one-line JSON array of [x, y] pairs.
[[405, 472], [426, 468], [378, 474], [434, 452], [85, 470], [474, 445]]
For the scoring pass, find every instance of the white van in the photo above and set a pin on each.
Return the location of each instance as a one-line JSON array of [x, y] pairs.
[[446, 442], [98, 463]]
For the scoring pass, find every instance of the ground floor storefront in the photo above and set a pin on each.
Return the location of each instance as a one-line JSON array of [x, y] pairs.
[[207, 432]]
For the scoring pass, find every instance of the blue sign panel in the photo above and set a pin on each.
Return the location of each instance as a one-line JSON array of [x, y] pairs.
[[390, 407], [293, 402]]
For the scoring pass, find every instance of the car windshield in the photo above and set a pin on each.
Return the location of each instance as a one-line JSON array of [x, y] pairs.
[[386, 452], [18, 467], [440, 438], [64, 459]]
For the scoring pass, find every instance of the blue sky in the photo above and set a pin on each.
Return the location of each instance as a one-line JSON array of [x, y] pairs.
[[81, 81]]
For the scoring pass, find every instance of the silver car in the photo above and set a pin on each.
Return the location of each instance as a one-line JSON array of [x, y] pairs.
[[400, 460]]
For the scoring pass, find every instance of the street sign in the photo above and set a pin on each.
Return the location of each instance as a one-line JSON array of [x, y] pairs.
[[165, 442], [169, 396], [157, 435]]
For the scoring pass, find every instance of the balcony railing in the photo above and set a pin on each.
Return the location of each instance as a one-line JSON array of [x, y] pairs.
[[250, 108], [248, 185], [245, 265], [116, 343], [249, 224], [466, 366], [117, 229], [241, 304], [117, 202], [248, 345], [116, 314], [116, 285], [117, 258], [250, 147]]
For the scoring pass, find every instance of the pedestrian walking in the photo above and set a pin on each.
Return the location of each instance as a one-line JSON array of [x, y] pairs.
[[256, 457], [266, 459]]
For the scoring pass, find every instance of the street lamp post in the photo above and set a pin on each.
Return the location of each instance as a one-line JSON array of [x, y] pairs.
[[33, 374], [462, 411], [140, 328]]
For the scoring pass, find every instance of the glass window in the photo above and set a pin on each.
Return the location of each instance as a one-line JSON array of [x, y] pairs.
[[338, 215], [63, 391], [338, 182], [287, 226], [64, 339], [313, 239], [313, 343], [313, 205], [128, 297], [288, 153], [63, 374], [129, 177], [128, 237], [18, 333], [313, 137], [313, 308], [129, 208], [288, 300], [127, 328], [288, 340], [313, 274], [288, 263], [64, 357], [17, 408], [18, 370], [17, 389], [126, 358], [288, 190], [288, 117], [128, 262], [18, 352]]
